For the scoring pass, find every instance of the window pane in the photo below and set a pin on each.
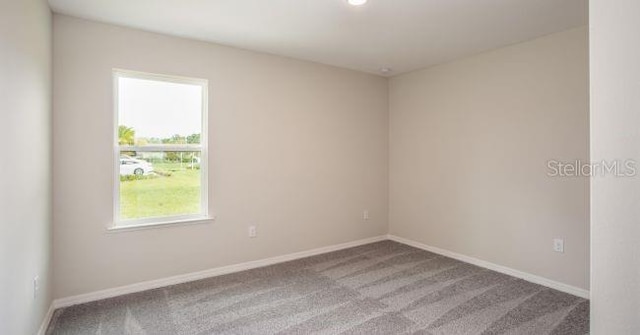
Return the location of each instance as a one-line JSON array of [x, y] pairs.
[[158, 112], [155, 184]]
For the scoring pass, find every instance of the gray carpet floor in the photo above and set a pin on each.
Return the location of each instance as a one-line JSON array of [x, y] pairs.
[[379, 288]]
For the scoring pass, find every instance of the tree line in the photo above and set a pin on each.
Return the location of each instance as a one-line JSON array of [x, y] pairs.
[[127, 136]]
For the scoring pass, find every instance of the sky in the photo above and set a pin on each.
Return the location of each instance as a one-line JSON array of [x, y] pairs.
[[159, 109]]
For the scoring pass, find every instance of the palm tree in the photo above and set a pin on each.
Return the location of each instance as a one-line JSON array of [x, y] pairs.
[[126, 135]]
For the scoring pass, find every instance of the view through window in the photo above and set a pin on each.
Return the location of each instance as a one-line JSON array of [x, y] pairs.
[[160, 148]]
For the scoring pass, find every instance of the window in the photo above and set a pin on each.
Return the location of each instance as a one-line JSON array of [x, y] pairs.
[[160, 153]]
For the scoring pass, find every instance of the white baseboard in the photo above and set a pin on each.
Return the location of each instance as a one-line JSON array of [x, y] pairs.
[[189, 277], [46, 320], [495, 267]]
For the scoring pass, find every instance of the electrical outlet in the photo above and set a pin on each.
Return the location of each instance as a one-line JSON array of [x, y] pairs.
[[253, 231], [558, 245], [36, 286], [365, 215]]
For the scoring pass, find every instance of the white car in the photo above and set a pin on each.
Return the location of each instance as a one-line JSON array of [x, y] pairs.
[[131, 166]]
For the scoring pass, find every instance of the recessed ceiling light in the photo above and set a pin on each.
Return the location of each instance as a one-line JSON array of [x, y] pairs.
[[385, 70], [357, 2]]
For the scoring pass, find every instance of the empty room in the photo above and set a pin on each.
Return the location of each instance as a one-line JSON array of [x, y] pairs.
[[319, 167]]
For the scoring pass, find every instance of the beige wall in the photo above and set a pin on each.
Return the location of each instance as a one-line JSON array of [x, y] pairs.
[[25, 166], [615, 210], [298, 148], [469, 145]]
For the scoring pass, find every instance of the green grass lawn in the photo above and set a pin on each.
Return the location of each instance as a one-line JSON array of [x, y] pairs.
[[161, 195]]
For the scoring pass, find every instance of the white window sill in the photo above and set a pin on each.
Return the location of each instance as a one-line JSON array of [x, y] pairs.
[[161, 224]]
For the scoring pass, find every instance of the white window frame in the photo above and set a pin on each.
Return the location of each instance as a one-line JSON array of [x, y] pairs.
[[203, 216]]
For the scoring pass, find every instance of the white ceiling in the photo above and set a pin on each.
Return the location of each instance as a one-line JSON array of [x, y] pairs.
[[403, 35]]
